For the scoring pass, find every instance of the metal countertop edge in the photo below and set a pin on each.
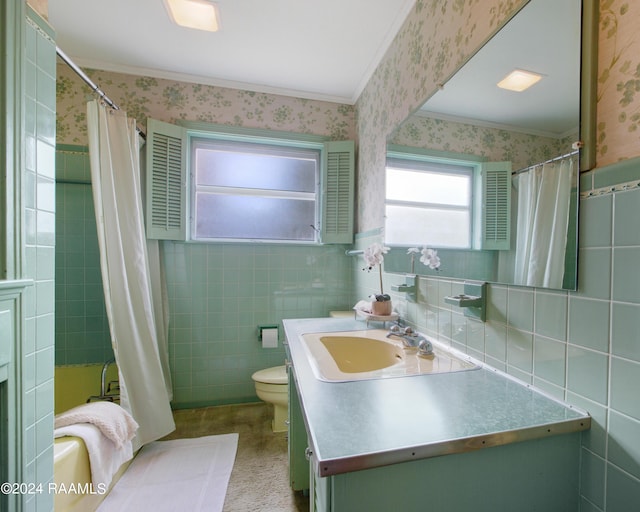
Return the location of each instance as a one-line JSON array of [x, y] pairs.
[[338, 466]]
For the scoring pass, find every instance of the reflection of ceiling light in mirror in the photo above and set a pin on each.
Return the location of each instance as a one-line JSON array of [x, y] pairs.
[[519, 80], [198, 14]]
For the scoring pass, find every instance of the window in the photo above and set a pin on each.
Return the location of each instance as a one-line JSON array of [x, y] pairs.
[[253, 191], [428, 203], [212, 183]]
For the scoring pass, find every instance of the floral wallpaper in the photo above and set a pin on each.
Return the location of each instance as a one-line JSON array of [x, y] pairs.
[[170, 100], [496, 145], [435, 40], [618, 110]]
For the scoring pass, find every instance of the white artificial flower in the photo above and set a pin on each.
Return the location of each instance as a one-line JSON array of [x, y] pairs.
[[374, 254], [413, 250], [430, 258]]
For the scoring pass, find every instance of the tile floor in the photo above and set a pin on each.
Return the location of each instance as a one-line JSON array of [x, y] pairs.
[[260, 477]]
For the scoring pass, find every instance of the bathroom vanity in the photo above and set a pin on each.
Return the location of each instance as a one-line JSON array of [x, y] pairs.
[[469, 439]]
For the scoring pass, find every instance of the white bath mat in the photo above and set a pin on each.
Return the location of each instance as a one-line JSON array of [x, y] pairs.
[[170, 476]]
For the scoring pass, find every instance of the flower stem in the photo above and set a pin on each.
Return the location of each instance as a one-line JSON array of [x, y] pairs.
[[381, 290]]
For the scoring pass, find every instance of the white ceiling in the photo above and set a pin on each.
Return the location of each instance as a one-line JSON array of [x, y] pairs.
[[323, 50]]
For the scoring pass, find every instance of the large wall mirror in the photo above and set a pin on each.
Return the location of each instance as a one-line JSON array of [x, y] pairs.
[[499, 168]]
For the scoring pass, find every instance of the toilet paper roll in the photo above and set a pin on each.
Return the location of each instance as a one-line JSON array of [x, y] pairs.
[[270, 338]]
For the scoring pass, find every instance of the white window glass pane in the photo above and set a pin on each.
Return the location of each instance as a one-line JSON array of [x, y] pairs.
[[254, 217], [427, 226], [263, 170], [428, 187]]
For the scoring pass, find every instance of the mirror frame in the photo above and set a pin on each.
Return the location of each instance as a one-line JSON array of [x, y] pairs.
[[588, 83], [480, 264]]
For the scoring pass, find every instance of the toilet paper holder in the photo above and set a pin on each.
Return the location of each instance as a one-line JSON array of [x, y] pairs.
[[266, 327]]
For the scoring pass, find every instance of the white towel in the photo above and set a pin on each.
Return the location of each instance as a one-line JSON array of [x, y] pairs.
[[112, 420], [364, 306], [104, 457]]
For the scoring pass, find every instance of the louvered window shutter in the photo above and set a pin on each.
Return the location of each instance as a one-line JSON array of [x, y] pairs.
[[496, 205], [338, 169], [166, 181]]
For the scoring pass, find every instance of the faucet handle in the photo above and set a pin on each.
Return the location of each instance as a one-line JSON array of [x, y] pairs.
[[408, 330], [394, 328], [425, 348]]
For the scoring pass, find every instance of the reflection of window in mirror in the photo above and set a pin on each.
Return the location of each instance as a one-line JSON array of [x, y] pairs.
[[428, 202], [439, 200]]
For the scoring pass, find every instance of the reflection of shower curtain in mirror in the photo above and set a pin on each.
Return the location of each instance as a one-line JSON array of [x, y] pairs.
[[543, 217]]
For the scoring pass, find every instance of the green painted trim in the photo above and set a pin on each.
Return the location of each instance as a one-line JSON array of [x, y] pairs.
[[589, 83], [15, 285], [240, 132], [11, 153], [398, 151], [12, 56], [72, 148]]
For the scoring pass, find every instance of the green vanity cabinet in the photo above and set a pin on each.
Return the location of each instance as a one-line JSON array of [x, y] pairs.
[[536, 475], [320, 490], [298, 463]]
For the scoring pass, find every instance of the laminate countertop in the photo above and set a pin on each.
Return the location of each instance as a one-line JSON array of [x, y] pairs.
[[369, 423]]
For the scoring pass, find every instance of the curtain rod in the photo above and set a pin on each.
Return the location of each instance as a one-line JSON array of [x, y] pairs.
[[88, 81], [561, 157], [103, 96]]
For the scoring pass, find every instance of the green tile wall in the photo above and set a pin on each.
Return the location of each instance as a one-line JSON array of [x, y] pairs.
[[582, 346], [82, 329], [218, 296]]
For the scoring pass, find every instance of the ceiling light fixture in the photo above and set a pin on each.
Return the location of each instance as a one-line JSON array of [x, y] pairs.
[[197, 14], [519, 80]]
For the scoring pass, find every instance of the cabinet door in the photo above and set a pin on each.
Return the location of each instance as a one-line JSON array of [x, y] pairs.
[[298, 464], [320, 492]]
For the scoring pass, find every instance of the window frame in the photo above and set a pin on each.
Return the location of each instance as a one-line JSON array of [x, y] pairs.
[[196, 140]]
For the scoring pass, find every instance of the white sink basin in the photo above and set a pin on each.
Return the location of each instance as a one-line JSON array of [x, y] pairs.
[[369, 354]]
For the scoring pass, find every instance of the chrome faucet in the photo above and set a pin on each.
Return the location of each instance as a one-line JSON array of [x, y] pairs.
[[411, 339]]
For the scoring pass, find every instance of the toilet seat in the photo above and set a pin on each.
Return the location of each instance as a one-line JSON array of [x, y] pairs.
[[275, 375]]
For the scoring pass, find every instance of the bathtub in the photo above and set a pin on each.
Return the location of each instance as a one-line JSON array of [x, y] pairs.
[[73, 385], [71, 470]]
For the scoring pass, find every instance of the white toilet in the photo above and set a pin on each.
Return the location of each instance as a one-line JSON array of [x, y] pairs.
[[272, 387]]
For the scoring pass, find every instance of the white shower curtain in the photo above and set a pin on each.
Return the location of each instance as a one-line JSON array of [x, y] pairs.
[[124, 260], [543, 218]]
